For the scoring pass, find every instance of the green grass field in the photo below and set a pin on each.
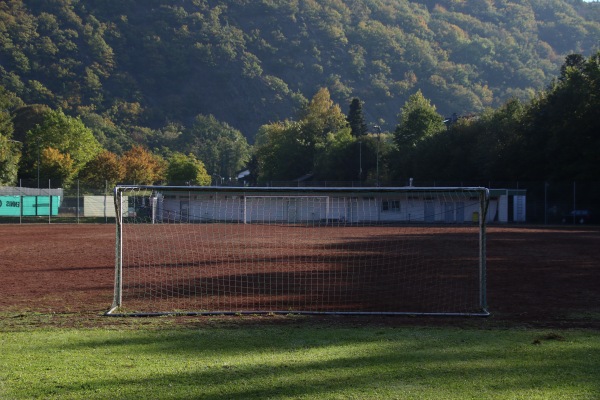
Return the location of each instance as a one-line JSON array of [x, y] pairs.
[[294, 358]]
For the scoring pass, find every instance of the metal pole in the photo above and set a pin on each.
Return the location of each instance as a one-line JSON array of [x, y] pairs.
[[105, 196], [378, 145], [483, 206], [360, 163], [545, 203], [20, 202], [118, 294], [77, 200], [38, 163], [49, 201], [574, 203]]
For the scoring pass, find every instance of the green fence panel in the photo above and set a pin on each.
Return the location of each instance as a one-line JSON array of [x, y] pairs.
[[40, 205], [10, 206]]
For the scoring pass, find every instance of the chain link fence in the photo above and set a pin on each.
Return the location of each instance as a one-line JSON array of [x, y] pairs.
[[46, 203], [34, 201]]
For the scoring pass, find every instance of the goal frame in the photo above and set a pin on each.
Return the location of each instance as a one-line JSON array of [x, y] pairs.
[[120, 203]]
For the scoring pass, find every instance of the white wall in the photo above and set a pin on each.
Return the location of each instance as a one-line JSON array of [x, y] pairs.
[[219, 207], [98, 206]]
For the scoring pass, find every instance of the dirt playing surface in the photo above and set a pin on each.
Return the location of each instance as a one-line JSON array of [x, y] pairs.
[[542, 276]]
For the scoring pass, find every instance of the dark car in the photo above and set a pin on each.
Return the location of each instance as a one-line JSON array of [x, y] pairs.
[[578, 217]]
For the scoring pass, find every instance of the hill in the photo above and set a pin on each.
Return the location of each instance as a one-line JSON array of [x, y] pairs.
[[249, 62]]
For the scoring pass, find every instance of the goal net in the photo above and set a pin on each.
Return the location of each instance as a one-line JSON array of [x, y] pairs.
[[211, 250]]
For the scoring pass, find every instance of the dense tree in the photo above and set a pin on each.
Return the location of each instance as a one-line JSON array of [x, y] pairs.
[[554, 137], [187, 169], [10, 150], [221, 148], [106, 131], [288, 150], [356, 118], [282, 152], [418, 121], [563, 124], [26, 118], [488, 147], [10, 155], [320, 117], [337, 158], [66, 135]]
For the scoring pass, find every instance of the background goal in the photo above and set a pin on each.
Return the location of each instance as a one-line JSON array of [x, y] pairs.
[[209, 250]]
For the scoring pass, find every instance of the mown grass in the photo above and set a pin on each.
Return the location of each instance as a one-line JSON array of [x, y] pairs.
[[298, 360]]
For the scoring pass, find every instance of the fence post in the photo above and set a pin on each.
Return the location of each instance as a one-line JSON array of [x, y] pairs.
[[77, 201], [574, 203], [546, 184], [105, 196], [20, 202], [49, 202]]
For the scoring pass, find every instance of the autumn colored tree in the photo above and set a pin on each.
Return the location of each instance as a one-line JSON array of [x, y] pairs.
[[103, 170], [143, 167], [56, 166]]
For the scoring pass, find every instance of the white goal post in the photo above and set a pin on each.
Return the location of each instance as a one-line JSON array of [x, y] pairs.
[[237, 250]]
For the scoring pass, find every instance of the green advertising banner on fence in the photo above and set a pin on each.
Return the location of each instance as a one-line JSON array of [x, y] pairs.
[[14, 206], [10, 206], [40, 205]]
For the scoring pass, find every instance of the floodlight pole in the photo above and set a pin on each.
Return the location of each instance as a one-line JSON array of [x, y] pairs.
[[38, 163], [546, 184], [378, 129], [360, 162]]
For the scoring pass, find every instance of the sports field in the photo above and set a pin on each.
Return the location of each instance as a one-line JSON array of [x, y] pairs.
[[541, 341], [231, 267]]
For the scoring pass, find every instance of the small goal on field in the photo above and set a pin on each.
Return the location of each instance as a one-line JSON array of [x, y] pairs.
[[225, 250]]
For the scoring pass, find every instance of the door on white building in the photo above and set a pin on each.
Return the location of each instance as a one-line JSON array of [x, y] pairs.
[[184, 210], [429, 211], [460, 212], [449, 212]]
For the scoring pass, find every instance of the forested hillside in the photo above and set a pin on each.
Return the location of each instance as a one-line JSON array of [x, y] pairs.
[[368, 92], [158, 64]]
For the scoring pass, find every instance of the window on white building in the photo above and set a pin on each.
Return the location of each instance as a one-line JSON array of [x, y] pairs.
[[390, 205]]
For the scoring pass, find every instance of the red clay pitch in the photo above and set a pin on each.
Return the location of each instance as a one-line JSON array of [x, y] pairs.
[[539, 275]]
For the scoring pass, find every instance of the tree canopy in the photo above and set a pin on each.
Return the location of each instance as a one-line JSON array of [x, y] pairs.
[[156, 83], [187, 169], [555, 136], [249, 63], [64, 138]]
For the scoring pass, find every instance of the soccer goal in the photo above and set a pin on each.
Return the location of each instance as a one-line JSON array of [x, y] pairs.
[[232, 250]]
